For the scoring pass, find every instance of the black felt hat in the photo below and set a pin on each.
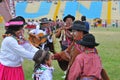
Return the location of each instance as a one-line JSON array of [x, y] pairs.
[[88, 41], [68, 16], [44, 20], [79, 26]]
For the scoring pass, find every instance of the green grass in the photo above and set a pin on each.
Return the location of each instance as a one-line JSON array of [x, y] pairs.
[[109, 51]]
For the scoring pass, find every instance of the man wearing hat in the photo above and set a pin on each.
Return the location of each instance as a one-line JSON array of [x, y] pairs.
[[37, 33], [69, 19], [87, 65], [64, 31], [66, 57], [46, 27], [65, 34], [44, 23]]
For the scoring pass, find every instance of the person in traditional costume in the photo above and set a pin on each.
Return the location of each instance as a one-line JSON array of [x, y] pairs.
[[13, 50], [43, 69], [63, 35], [66, 58], [40, 37], [64, 32], [87, 65]]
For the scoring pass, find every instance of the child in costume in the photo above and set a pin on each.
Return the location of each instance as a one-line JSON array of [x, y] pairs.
[[43, 69]]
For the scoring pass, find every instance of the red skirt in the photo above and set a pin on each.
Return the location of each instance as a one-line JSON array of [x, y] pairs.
[[11, 73]]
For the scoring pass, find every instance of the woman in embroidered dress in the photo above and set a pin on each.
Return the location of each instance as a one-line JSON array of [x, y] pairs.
[[43, 68], [14, 49]]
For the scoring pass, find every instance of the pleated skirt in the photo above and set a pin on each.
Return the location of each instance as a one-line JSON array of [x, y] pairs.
[[11, 73]]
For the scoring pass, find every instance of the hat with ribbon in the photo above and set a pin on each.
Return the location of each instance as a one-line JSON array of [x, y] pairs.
[[15, 23]]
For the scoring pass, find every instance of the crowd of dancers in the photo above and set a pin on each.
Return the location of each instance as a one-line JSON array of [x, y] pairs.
[[68, 41]]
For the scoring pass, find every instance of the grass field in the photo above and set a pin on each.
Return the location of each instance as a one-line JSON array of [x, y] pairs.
[[109, 50]]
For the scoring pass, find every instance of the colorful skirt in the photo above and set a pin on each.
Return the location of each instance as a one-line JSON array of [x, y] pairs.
[[11, 73]]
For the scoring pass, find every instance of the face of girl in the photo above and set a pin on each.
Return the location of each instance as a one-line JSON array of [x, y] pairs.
[[49, 62]]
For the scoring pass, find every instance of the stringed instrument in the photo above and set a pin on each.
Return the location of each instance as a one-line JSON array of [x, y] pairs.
[[35, 41]]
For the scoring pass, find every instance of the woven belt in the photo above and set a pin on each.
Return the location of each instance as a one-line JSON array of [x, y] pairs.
[[88, 78]]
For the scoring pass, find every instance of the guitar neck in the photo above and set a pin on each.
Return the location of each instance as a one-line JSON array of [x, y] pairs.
[[44, 36]]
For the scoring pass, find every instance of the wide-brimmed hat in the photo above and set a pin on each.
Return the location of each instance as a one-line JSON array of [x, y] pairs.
[[22, 19], [79, 26], [15, 23], [44, 20], [68, 16], [88, 41]]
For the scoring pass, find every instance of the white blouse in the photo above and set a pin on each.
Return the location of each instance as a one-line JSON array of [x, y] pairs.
[[44, 73], [12, 54]]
